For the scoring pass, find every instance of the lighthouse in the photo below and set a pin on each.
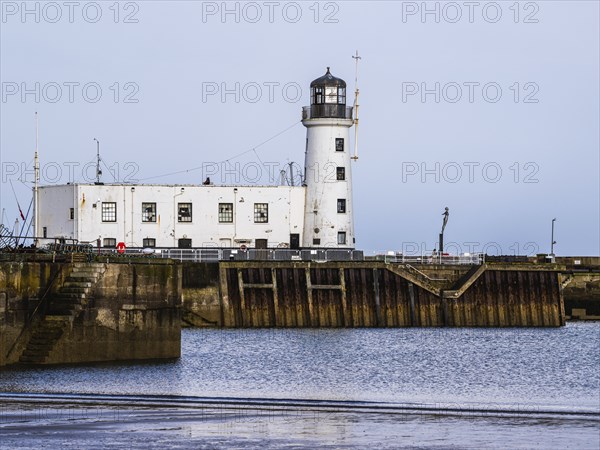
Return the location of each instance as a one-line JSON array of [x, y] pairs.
[[328, 214]]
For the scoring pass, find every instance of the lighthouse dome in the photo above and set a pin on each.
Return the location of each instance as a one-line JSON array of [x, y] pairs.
[[328, 80], [328, 97]]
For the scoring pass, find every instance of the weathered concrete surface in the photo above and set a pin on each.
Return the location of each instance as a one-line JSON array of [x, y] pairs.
[[582, 295], [21, 285], [133, 312], [200, 295], [375, 294]]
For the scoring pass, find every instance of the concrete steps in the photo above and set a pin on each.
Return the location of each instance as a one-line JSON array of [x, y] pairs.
[[43, 339], [63, 308]]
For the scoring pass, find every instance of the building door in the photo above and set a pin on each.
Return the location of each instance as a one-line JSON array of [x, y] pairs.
[[185, 243], [294, 241], [261, 244]]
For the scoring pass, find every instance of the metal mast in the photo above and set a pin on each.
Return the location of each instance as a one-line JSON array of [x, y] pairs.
[[356, 92], [552, 242], [36, 181], [98, 170]]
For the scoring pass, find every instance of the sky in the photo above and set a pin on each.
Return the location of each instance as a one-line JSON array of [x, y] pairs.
[[488, 108]]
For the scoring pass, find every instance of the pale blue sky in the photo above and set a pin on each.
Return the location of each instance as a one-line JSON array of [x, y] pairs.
[[171, 51]]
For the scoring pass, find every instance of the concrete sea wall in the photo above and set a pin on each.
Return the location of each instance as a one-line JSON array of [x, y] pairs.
[[129, 310], [126, 312], [21, 285], [582, 295]]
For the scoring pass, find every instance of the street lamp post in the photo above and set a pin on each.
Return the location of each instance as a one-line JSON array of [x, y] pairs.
[[552, 241]]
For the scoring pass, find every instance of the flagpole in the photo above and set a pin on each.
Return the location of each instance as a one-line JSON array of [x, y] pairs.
[[36, 166]]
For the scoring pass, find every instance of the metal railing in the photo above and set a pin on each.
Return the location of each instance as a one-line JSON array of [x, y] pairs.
[[327, 111], [232, 254], [467, 259], [191, 255], [229, 254]]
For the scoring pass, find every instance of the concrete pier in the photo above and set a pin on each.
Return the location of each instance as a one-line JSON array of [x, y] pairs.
[[133, 309], [86, 312]]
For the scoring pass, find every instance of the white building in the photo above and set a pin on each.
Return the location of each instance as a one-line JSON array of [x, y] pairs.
[[317, 214]]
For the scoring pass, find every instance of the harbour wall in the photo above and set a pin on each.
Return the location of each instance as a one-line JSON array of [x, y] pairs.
[[134, 309], [582, 294], [80, 312], [582, 286], [372, 294]]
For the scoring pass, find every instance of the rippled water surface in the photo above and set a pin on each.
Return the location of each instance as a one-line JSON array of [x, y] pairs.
[[541, 368]]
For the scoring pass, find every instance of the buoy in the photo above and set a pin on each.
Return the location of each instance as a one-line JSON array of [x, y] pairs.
[[121, 248]]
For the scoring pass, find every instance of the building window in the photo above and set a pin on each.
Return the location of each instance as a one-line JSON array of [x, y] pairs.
[[261, 212], [184, 212], [341, 205], [317, 96], [148, 212], [71, 213], [341, 237], [225, 212], [339, 144], [341, 173], [316, 241], [149, 242], [45, 232], [109, 243], [109, 212], [331, 94]]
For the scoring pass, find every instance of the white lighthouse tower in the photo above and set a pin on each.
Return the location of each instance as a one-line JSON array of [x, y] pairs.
[[328, 214]]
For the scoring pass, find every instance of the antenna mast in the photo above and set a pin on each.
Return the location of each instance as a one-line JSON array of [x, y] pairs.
[[98, 170], [36, 181], [356, 92], [291, 173]]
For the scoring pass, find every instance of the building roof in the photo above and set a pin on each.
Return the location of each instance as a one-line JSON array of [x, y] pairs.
[[170, 185], [328, 80]]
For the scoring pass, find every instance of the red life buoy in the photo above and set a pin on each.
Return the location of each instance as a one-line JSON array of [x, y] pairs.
[[121, 248], [243, 247]]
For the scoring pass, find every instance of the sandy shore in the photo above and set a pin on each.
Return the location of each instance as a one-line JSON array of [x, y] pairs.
[[35, 425]]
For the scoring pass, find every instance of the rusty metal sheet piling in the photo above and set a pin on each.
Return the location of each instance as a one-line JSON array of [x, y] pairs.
[[376, 294]]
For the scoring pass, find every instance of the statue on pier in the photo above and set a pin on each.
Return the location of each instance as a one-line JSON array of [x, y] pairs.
[[446, 213]]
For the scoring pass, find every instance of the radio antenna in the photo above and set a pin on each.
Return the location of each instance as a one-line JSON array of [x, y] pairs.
[[98, 170]]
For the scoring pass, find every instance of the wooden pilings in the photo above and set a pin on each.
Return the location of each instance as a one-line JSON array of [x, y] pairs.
[[371, 294]]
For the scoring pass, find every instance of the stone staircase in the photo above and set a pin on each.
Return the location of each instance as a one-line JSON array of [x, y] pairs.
[[63, 307]]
